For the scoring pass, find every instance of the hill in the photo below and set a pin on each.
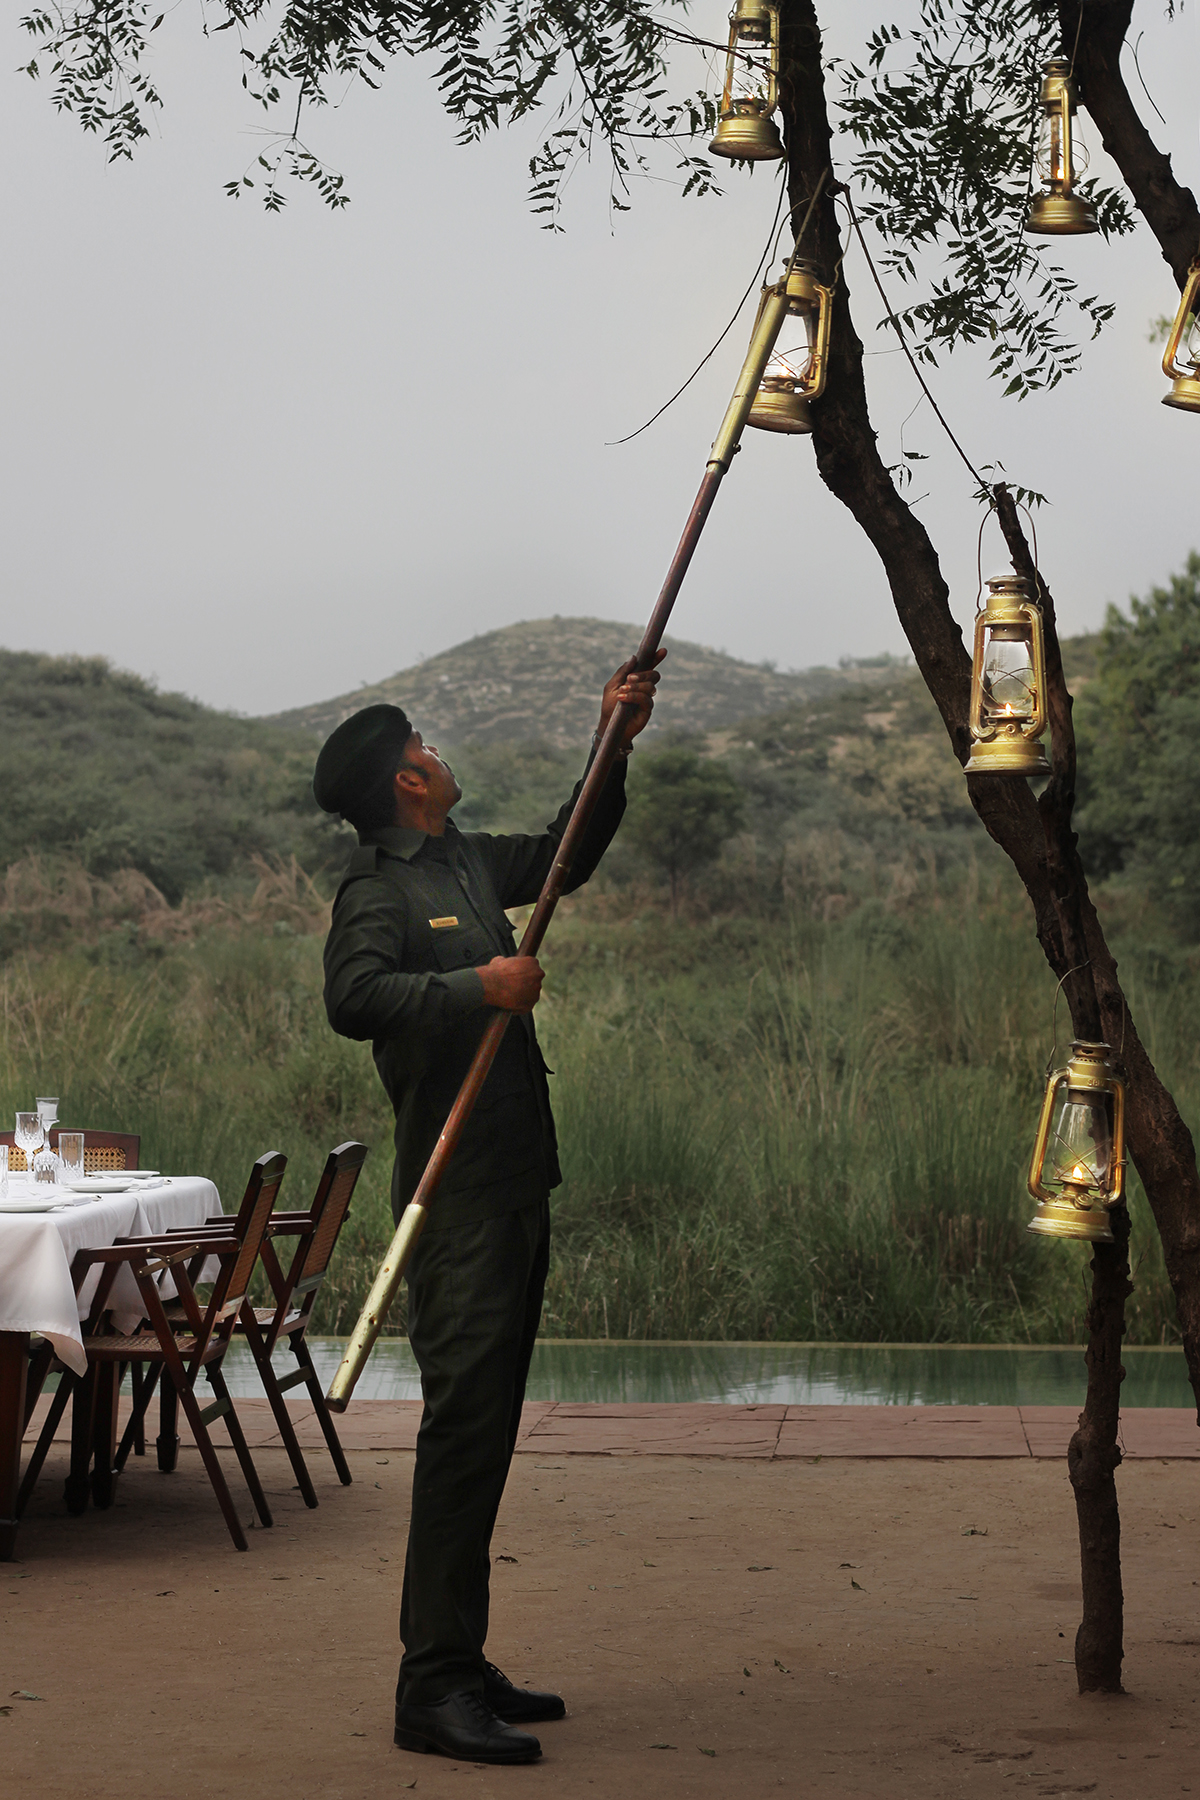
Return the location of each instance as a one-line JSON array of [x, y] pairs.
[[542, 679], [98, 765]]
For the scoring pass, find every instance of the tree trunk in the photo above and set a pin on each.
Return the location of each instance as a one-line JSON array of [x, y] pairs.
[[1092, 1460], [1036, 835]]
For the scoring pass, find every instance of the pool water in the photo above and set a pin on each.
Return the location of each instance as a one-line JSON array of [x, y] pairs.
[[760, 1374]]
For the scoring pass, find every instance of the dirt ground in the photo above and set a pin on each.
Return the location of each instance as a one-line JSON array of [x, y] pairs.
[[717, 1627]]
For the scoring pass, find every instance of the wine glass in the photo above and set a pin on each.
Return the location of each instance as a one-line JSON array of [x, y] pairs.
[[70, 1155], [29, 1136]]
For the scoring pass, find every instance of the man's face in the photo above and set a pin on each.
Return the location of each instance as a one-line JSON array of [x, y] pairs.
[[441, 787]]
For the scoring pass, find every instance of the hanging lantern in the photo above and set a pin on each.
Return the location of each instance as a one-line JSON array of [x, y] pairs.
[[796, 372], [1008, 682], [1181, 359], [1061, 159], [747, 131], [1078, 1168]]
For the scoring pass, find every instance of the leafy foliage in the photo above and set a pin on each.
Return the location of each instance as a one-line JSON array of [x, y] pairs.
[[942, 115], [1138, 727], [945, 117], [682, 808], [597, 66]]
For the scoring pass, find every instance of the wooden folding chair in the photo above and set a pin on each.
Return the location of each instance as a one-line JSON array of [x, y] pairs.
[[174, 1356], [295, 1293]]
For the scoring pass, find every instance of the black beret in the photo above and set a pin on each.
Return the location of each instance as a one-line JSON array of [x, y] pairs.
[[354, 757]]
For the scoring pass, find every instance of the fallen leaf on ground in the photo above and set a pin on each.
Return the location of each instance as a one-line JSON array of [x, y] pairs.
[[664, 1746], [24, 1694], [705, 1752], [779, 1665], [506, 1559], [745, 1671], [854, 1584], [758, 1568], [163, 1592]]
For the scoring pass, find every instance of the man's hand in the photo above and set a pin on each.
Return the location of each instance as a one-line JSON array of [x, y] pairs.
[[513, 983], [634, 690]]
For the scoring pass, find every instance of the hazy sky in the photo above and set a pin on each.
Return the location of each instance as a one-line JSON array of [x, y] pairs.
[[266, 459]]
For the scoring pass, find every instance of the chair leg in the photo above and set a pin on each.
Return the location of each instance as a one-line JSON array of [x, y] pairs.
[[216, 1474], [144, 1380], [75, 1488], [287, 1430], [104, 1434], [167, 1443], [39, 1367], [139, 1377], [41, 1449], [312, 1385], [238, 1438]]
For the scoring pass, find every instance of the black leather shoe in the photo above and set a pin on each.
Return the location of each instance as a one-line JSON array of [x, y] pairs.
[[463, 1725], [518, 1706]]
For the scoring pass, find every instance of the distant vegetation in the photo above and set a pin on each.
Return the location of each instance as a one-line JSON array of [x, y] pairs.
[[790, 1127], [800, 1109], [99, 767]]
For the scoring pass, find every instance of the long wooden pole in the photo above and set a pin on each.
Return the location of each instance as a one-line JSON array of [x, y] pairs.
[[387, 1282]]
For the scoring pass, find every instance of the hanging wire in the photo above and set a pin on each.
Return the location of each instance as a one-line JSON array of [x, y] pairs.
[[1054, 1014], [777, 225], [612, 443], [899, 330]]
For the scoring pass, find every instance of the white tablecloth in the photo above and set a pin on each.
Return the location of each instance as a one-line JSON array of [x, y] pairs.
[[37, 1249]]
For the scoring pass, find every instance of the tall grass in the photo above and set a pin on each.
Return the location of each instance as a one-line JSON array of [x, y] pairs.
[[787, 1128]]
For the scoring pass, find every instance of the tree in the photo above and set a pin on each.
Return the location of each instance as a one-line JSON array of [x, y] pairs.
[[1139, 737], [937, 148], [681, 810]]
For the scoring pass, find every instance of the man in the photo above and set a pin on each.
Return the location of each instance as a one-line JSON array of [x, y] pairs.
[[419, 954]]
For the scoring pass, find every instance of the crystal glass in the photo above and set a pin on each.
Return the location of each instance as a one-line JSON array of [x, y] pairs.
[[29, 1136], [3, 1171], [47, 1106], [70, 1155]]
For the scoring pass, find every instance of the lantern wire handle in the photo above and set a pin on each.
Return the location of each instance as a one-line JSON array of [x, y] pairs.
[[1054, 1014], [1021, 507]]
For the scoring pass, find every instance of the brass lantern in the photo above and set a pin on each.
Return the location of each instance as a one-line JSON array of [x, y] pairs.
[[798, 366], [1184, 369], [1008, 683], [746, 131], [1078, 1168], [1058, 211]]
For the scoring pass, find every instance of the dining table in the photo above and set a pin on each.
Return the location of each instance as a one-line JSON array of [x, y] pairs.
[[41, 1229]]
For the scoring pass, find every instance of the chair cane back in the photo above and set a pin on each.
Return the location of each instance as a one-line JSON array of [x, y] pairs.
[[295, 1291], [173, 1353], [103, 1151]]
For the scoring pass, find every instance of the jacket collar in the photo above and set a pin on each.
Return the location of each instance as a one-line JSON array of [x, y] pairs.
[[403, 841]]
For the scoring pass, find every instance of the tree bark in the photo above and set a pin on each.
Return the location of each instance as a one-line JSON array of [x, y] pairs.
[[1168, 208], [1036, 835]]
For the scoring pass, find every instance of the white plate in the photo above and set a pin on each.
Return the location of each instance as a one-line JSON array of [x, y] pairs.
[[100, 1184], [140, 1174], [30, 1205]]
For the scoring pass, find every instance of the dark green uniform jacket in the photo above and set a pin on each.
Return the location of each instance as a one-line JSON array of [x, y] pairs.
[[413, 920]]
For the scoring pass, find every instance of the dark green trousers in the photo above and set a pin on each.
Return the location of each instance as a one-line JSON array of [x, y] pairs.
[[474, 1302]]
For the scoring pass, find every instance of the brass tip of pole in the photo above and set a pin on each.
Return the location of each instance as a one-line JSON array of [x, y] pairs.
[[335, 1403]]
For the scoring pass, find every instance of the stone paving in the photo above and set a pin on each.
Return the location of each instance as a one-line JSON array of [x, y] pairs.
[[763, 1433]]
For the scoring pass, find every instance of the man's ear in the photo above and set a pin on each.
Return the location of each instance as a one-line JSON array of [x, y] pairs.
[[409, 782]]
